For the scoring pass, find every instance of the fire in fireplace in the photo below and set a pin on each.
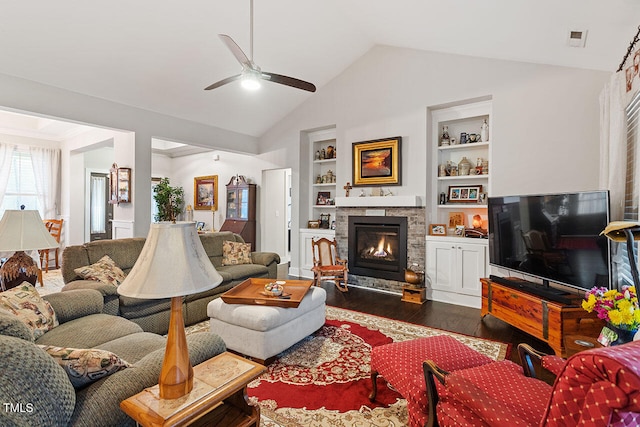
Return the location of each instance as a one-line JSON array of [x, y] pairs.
[[378, 246]]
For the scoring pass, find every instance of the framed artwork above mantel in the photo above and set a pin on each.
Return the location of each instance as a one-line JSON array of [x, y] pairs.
[[377, 162]]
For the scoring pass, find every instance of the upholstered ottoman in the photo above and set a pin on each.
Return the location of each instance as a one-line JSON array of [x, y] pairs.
[[262, 332], [400, 363]]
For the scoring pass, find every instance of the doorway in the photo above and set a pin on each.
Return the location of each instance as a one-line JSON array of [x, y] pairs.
[[276, 221], [100, 210]]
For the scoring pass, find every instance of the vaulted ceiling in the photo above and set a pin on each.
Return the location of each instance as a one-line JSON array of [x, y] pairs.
[[159, 55]]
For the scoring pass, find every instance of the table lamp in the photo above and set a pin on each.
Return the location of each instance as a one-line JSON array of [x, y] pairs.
[[626, 231], [172, 264], [22, 230]]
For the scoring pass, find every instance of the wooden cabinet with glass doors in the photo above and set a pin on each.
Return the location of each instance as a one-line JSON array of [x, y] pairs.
[[241, 209]]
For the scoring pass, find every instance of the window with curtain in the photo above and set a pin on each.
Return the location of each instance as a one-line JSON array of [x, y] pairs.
[[31, 178], [632, 186], [21, 186]]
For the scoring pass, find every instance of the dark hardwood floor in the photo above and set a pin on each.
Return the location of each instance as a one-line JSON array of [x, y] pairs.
[[454, 318]]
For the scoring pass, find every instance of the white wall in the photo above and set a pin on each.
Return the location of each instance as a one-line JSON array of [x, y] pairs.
[[30, 97], [182, 170], [545, 118]]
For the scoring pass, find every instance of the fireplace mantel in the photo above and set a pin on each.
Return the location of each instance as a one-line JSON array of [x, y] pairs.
[[379, 201]]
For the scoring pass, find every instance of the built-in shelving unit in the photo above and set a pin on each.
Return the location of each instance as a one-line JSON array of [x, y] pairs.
[[467, 118], [456, 264], [322, 177], [313, 165]]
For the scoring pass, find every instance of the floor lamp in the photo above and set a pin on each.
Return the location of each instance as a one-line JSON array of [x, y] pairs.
[[22, 230], [172, 264]]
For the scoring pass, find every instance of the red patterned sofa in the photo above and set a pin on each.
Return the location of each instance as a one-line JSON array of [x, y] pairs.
[[400, 363], [598, 387]]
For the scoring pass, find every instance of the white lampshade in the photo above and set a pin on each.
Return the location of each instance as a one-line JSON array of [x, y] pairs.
[[172, 263], [23, 230]]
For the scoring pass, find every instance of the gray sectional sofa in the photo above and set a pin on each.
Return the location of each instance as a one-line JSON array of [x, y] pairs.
[[153, 315], [37, 392]]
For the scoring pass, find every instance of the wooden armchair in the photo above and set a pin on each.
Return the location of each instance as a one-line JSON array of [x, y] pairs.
[[597, 387], [327, 265], [55, 228]]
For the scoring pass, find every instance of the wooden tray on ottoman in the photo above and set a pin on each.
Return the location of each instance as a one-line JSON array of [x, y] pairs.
[[251, 292]]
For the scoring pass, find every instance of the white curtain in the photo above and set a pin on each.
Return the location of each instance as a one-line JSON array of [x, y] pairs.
[[6, 155], [46, 168], [98, 196], [613, 142]]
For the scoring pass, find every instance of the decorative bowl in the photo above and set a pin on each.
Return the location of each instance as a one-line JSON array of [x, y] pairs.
[[274, 289]]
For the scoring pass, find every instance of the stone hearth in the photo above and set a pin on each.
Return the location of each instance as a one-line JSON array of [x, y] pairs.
[[416, 251]]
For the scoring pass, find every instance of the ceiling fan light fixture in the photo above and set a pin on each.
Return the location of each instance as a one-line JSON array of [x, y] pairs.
[[250, 81]]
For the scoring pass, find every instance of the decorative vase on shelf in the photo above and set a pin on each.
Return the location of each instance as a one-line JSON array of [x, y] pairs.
[[464, 167], [484, 131]]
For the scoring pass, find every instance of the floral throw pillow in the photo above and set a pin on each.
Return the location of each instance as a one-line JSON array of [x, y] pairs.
[[25, 302], [105, 271], [235, 253], [84, 366]]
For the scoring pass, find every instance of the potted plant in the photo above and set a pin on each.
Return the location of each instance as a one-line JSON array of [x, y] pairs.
[[169, 200]]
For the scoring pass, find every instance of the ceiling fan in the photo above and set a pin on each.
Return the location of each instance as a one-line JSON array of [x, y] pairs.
[[252, 74]]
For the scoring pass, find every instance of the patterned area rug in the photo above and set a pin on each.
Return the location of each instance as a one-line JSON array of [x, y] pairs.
[[325, 379]]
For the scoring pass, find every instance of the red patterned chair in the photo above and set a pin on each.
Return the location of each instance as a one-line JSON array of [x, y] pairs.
[[400, 363], [598, 387]]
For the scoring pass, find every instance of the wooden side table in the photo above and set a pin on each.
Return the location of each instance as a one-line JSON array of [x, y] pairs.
[[576, 343], [218, 398]]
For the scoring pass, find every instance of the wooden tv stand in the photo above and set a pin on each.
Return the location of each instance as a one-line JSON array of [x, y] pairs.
[[548, 321]]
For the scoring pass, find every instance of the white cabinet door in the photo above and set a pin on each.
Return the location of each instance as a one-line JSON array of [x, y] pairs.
[[441, 259], [471, 262], [456, 266]]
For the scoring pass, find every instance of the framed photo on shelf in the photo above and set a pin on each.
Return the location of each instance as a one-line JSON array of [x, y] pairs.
[[205, 193], [323, 198], [200, 226], [437, 229], [456, 219], [464, 193], [377, 162]]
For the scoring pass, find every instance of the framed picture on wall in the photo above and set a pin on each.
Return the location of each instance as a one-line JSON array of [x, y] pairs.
[[205, 192], [377, 162]]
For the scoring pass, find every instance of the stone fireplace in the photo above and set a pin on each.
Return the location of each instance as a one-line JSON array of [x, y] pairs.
[[377, 246], [414, 240]]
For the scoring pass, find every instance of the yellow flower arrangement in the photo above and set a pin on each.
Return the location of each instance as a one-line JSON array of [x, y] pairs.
[[619, 308]]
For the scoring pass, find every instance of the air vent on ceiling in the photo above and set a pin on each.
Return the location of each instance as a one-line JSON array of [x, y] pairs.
[[576, 38]]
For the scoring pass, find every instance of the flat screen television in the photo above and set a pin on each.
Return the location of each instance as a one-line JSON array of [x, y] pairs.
[[553, 237]]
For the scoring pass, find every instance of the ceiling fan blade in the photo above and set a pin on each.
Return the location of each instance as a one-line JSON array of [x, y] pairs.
[[223, 82], [237, 52], [288, 81]]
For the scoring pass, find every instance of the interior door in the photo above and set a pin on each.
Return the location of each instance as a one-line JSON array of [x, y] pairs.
[[101, 211]]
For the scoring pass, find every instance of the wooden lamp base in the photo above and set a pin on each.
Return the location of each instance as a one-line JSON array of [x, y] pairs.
[[17, 269], [176, 376]]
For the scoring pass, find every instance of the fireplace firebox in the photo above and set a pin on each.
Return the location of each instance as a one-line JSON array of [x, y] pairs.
[[378, 246]]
